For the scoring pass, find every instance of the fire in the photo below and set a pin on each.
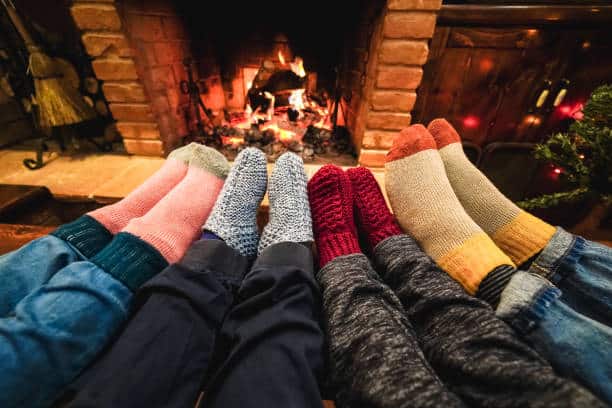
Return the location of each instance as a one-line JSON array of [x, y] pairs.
[[297, 66], [283, 135], [232, 140], [296, 100], [281, 58]]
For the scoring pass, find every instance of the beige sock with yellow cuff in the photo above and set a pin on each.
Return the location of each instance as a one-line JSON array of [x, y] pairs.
[[519, 234]]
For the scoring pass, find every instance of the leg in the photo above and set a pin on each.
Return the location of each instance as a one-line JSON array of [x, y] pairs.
[[31, 266], [476, 354], [179, 314], [578, 347], [59, 328], [375, 357], [271, 343]]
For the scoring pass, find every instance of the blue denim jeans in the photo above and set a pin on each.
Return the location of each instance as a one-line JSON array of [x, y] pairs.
[[31, 266], [582, 270], [568, 323], [55, 331]]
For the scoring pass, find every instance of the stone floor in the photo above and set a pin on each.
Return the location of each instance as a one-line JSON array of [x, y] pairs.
[[98, 176]]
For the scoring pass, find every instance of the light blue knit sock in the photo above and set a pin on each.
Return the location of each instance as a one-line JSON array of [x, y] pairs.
[[290, 219], [234, 216]]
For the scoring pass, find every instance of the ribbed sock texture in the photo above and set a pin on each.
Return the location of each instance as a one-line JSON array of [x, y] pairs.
[[175, 221], [425, 205], [290, 219], [374, 220], [234, 216], [116, 216], [519, 234], [85, 234], [331, 205], [130, 260]]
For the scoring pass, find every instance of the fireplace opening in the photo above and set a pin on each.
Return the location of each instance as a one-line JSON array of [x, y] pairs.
[[279, 76]]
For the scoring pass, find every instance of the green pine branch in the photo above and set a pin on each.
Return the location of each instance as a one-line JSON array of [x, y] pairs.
[[584, 154]]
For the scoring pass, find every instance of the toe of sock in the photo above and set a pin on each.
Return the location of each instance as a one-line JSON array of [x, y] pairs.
[[210, 160], [331, 199], [411, 140], [443, 132]]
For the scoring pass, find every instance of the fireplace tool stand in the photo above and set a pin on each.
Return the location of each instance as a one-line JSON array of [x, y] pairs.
[[190, 87]]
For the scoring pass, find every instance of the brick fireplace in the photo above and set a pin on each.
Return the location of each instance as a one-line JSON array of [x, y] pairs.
[[137, 49]]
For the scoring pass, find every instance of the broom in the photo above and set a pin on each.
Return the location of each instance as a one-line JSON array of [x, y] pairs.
[[58, 103]]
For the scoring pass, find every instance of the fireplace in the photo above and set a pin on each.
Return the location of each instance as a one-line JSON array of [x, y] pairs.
[[332, 82]]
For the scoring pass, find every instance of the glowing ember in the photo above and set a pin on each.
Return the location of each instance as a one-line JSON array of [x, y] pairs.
[[233, 141], [281, 58]]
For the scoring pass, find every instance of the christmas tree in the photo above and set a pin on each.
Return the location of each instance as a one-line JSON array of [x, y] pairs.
[[583, 156]]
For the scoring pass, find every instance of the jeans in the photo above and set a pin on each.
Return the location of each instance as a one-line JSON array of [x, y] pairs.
[[569, 323], [259, 323], [582, 270], [31, 266], [56, 330]]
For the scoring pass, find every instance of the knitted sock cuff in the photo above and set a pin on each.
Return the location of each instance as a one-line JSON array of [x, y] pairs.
[[130, 260], [86, 234], [494, 283], [523, 237], [388, 230], [472, 261], [335, 245]]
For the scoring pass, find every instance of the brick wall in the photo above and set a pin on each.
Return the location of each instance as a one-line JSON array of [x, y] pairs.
[[398, 50], [113, 62]]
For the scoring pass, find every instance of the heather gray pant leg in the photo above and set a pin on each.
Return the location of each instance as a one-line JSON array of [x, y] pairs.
[[475, 353], [375, 360]]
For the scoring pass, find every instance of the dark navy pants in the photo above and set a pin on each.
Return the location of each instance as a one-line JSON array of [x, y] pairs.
[[244, 336]]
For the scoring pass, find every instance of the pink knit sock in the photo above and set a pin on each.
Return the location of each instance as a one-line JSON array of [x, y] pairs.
[[116, 216], [176, 220]]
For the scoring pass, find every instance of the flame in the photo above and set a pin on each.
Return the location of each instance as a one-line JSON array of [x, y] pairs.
[[297, 66], [281, 57], [296, 99]]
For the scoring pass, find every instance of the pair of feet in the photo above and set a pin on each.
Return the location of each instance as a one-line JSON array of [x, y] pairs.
[[345, 206], [456, 214], [234, 216], [168, 209]]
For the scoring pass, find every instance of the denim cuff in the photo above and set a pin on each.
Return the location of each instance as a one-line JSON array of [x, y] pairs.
[[86, 234], [526, 300], [130, 260], [562, 252]]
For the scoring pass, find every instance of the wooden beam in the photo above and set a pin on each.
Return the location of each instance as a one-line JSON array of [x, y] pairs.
[[525, 15]]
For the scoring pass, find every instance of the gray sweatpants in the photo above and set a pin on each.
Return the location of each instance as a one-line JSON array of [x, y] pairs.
[[375, 359], [476, 354]]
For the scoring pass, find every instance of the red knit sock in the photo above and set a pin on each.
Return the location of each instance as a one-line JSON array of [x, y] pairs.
[[374, 219], [331, 205]]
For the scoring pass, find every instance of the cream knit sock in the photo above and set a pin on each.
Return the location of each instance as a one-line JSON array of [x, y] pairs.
[[426, 206], [519, 234]]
